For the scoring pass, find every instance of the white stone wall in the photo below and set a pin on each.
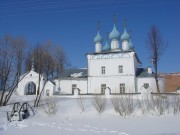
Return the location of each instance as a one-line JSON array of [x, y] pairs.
[[112, 78], [65, 85], [33, 77], [152, 84], [49, 87], [111, 63], [94, 84]]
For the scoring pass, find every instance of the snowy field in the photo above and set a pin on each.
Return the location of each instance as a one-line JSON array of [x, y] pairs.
[[69, 119]]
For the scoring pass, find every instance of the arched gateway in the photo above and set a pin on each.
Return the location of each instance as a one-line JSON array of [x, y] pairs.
[[30, 88]]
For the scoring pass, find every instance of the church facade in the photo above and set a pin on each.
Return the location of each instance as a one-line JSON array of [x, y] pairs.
[[113, 68]]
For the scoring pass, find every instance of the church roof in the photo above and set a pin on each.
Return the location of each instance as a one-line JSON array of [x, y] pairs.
[[74, 73], [143, 72]]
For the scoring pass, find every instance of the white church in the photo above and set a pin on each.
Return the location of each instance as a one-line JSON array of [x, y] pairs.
[[113, 69]]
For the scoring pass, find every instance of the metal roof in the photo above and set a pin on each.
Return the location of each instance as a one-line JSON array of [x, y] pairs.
[[74, 73], [143, 72]]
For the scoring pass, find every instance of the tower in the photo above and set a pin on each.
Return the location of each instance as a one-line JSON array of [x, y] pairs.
[[125, 38], [98, 41], [114, 36]]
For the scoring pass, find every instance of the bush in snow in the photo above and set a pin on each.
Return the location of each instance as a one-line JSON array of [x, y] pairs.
[[81, 103], [145, 104], [161, 104], [176, 105], [123, 104], [99, 103], [50, 106], [154, 104]]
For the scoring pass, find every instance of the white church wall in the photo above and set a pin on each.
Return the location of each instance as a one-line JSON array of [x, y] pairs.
[[32, 77], [113, 83], [48, 89], [111, 62], [152, 85], [161, 82], [66, 85]]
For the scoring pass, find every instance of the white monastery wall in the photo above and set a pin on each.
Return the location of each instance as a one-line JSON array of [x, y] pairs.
[[66, 85], [152, 84]]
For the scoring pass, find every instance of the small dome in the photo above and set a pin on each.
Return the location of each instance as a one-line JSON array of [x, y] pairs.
[[125, 35], [106, 47], [98, 38], [114, 34], [131, 45]]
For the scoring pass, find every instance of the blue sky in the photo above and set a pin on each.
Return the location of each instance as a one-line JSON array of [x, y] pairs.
[[73, 25]]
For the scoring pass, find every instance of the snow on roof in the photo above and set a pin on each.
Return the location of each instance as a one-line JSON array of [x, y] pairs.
[[75, 73]]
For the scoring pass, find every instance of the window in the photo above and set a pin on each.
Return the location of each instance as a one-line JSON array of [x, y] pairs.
[[120, 69], [47, 92], [103, 70], [103, 87], [146, 85], [74, 86], [122, 87]]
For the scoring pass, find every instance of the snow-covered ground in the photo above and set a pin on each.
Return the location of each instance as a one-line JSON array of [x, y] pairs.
[[70, 120]]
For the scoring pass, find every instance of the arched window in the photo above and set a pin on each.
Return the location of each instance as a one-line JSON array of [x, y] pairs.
[[47, 92]]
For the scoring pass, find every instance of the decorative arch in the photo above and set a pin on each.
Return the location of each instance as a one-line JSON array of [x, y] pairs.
[[105, 57], [96, 57], [76, 92], [107, 91], [30, 88], [125, 55], [115, 56]]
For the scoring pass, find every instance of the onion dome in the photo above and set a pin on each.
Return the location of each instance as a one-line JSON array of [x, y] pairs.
[[107, 46], [125, 35], [130, 45], [98, 37], [114, 34]]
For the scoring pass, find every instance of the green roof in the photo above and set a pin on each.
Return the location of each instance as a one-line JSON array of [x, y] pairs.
[[143, 72], [178, 88]]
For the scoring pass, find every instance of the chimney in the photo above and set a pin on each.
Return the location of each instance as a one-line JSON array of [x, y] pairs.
[[149, 70]]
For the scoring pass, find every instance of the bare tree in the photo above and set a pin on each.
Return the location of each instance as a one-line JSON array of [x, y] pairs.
[[19, 45], [46, 60], [156, 45], [60, 60], [10, 63]]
